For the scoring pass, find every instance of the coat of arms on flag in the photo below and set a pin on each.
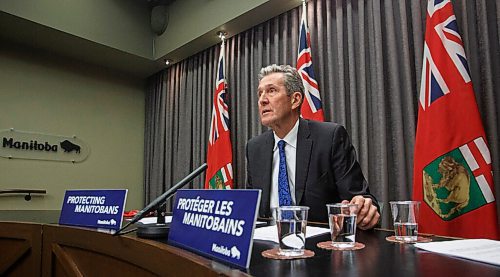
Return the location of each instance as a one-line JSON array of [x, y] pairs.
[[219, 173], [459, 181], [221, 178], [452, 166]]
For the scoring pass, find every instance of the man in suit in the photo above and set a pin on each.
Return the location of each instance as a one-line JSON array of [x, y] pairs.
[[314, 165]]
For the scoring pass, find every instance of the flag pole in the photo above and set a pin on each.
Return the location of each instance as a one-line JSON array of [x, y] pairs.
[[222, 35], [219, 174], [311, 108], [304, 10]]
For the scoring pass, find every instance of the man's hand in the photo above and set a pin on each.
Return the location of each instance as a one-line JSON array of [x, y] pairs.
[[368, 215]]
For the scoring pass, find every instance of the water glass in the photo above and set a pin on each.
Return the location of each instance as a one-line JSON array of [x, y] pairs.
[[291, 222], [405, 219], [342, 220]]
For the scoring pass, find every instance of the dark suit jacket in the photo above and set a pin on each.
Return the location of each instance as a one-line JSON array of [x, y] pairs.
[[327, 170]]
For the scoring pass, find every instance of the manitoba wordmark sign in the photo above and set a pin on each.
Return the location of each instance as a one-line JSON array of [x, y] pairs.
[[16, 144]]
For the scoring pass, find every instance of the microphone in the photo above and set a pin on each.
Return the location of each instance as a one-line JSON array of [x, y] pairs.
[[158, 230]]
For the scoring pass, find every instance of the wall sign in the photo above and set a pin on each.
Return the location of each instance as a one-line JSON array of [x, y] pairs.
[[216, 223], [94, 208], [16, 144]]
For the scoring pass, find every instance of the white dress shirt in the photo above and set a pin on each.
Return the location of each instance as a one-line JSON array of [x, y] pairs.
[[291, 154]]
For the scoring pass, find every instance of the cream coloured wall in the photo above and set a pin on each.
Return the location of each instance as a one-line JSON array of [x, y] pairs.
[[119, 24], [40, 92], [124, 25]]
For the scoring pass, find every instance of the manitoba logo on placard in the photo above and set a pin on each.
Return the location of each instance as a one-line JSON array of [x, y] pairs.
[[459, 181]]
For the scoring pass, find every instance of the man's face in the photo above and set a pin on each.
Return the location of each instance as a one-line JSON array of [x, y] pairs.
[[275, 106]]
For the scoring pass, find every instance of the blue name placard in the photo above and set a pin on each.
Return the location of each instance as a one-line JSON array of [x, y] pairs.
[[94, 208], [218, 224]]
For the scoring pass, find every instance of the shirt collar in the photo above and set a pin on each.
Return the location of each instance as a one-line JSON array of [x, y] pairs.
[[290, 138]]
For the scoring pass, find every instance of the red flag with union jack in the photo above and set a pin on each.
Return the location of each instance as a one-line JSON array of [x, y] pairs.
[[311, 107], [452, 166], [219, 173]]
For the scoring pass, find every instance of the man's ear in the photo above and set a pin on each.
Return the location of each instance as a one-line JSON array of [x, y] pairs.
[[296, 99]]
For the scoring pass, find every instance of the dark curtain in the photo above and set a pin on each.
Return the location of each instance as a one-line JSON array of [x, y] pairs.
[[367, 57]]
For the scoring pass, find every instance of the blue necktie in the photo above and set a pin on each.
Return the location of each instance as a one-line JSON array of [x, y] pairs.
[[283, 187]]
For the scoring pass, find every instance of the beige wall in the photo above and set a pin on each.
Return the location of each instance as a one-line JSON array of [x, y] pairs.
[[125, 24], [60, 96], [119, 24], [43, 93]]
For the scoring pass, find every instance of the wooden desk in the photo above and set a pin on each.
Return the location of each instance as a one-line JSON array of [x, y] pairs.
[[20, 249], [50, 250]]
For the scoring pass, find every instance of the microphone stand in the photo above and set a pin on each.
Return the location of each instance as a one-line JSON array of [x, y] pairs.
[[160, 213], [159, 229]]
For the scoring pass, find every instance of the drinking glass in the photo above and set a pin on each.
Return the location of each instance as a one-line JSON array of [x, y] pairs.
[[342, 220], [405, 219], [291, 222]]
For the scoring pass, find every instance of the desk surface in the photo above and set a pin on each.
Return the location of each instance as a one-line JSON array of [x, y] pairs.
[[378, 258]]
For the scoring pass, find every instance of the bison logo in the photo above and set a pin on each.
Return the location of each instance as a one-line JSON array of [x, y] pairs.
[[235, 253], [68, 146]]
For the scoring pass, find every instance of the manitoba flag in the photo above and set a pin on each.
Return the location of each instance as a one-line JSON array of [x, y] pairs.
[[311, 107], [452, 167], [219, 173]]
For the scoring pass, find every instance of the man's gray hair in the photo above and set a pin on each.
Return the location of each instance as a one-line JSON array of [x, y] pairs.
[[292, 80]]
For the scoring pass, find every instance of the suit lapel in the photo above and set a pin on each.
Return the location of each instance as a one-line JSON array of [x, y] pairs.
[[265, 162], [304, 147]]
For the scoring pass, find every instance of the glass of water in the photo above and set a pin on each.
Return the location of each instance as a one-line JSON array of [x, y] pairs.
[[342, 220], [291, 222], [405, 218]]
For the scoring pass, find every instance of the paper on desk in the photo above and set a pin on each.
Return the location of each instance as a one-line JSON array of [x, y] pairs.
[[149, 220], [481, 250], [271, 232]]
